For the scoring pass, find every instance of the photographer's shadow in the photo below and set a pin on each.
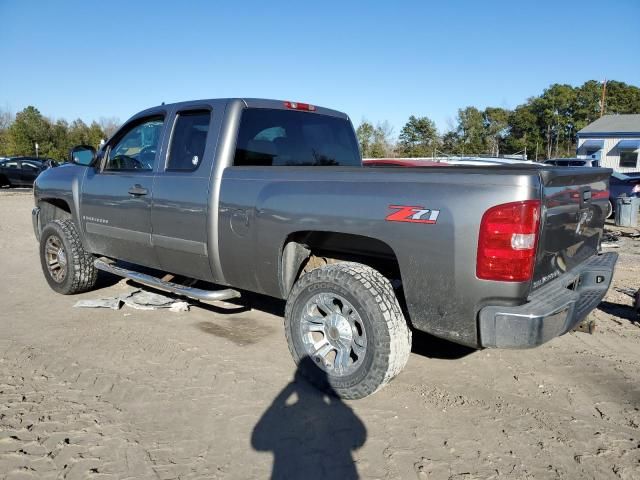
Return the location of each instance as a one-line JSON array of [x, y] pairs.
[[310, 433]]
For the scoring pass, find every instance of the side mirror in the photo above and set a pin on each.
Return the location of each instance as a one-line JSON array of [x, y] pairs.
[[82, 155]]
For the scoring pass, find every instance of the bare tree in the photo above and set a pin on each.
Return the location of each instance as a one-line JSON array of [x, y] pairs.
[[109, 125], [6, 118], [376, 142], [383, 138]]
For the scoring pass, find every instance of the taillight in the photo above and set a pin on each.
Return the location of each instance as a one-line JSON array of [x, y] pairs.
[[507, 242], [300, 106]]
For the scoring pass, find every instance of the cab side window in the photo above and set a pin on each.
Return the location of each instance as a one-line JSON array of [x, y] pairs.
[[136, 148], [188, 140]]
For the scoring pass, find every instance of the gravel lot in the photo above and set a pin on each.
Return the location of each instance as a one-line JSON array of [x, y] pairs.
[[212, 393]]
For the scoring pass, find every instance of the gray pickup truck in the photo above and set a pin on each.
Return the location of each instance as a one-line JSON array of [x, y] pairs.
[[271, 197]]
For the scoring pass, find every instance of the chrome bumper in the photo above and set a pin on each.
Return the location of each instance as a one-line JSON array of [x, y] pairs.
[[551, 311]]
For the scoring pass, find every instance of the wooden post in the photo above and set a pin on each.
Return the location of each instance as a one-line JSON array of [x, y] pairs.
[[604, 97]]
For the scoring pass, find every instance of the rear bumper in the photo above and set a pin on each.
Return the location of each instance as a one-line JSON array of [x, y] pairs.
[[550, 311]]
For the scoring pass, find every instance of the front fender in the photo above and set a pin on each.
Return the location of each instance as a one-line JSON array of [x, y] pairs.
[[63, 183], [57, 194]]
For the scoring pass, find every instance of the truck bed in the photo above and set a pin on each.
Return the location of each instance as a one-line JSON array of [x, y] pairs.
[[436, 260]]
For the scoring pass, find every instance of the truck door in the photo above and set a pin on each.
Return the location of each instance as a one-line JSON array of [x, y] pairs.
[[115, 210], [180, 195], [28, 172], [11, 170]]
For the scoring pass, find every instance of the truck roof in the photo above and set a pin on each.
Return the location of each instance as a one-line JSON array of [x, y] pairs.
[[249, 103]]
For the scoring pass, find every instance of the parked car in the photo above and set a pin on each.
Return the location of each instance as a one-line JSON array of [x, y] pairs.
[[22, 171], [271, 197], [572, 162]]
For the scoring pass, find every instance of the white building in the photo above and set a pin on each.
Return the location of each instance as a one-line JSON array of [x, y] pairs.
[[614, 140]]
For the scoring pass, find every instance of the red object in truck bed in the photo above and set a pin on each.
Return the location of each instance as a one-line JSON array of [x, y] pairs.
[[401, 162]]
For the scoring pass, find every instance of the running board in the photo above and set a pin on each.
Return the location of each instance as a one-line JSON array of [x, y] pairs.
[[155, 282]]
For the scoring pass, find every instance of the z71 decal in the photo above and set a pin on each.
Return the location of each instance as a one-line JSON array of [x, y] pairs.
[[405, 213]]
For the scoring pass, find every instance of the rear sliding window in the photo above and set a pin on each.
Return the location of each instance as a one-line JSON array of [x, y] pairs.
[[188, 140], [289, 138]]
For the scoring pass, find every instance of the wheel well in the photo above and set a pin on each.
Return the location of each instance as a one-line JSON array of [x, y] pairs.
[[305, 251], [53, 209]]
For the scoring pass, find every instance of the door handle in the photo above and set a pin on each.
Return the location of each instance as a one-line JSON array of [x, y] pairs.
[[138, 190]]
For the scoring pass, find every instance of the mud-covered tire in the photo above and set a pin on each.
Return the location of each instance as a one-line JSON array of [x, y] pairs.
[[388, 337], [80, 273]]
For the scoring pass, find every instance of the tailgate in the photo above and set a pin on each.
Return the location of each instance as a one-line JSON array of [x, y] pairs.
[[575, 205]]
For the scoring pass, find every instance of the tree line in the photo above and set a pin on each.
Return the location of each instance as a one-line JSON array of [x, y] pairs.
[[20, 134], [543, 127]]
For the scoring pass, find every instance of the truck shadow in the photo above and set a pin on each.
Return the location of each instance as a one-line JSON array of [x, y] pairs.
[[106, 280], [423, 344], [621, 311], [311, 433], [433, 347], [245, 303]]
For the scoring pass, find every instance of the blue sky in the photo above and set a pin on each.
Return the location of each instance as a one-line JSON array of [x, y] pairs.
[[375, 60]]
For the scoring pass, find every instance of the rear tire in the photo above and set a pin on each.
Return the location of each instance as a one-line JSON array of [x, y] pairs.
[[345, 329], [610, 214], [66, 265]]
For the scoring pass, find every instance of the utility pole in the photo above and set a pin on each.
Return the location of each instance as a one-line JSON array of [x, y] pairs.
[[604, 97]]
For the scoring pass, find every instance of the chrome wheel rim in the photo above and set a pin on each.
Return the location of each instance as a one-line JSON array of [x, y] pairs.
[[56, 257], [333, 334]]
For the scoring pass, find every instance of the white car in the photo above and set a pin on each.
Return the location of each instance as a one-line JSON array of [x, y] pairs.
[[572, 162]]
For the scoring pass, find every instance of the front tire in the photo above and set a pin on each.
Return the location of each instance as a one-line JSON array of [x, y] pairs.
[[66, 265], [346, 319]]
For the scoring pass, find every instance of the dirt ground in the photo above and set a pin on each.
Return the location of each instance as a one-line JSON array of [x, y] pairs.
[[213, 393]]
